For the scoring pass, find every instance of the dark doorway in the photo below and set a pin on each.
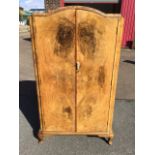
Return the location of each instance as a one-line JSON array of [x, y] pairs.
[[107, 8]]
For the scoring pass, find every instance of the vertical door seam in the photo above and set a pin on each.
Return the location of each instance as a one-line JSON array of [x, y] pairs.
[[75, 72]]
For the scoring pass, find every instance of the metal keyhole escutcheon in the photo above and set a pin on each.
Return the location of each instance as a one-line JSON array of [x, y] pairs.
[[77, 66]]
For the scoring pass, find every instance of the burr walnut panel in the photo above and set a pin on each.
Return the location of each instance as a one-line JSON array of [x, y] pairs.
[[55, 55], [96, 37]]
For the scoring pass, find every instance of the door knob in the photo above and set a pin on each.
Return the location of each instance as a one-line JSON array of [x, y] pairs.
[[77, 65]]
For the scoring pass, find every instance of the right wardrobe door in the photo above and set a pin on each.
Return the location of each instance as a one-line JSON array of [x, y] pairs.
[[95, 53]]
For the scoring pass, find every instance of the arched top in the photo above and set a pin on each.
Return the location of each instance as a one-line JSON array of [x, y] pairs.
[[77, 8]]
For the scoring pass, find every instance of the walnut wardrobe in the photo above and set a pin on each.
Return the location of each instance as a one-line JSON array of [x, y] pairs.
[[76, 53]]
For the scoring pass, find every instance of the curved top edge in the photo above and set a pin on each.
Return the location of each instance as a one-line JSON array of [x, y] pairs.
[[77, 8]]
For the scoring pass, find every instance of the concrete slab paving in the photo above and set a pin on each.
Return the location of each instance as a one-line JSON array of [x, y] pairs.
[[126, 76]]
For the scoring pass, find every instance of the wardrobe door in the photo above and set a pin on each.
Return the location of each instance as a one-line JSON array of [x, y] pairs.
[[54, 55], [96, 40]]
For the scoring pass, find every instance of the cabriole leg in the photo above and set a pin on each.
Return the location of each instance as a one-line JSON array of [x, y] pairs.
[[40, 136], [110, 139]]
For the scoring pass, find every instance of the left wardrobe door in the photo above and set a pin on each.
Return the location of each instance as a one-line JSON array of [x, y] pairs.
[[53, 38]]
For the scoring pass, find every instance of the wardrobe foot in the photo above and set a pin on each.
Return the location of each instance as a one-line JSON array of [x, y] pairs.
[[110, 140], [40, 137]]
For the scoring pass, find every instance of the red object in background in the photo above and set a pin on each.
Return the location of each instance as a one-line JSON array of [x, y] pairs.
[[61, 3], [128, 12]]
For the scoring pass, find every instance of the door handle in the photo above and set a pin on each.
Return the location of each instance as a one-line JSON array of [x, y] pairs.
[[77, 66]]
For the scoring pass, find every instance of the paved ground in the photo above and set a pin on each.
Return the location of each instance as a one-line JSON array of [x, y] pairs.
[[123, 143], [126, 77]]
